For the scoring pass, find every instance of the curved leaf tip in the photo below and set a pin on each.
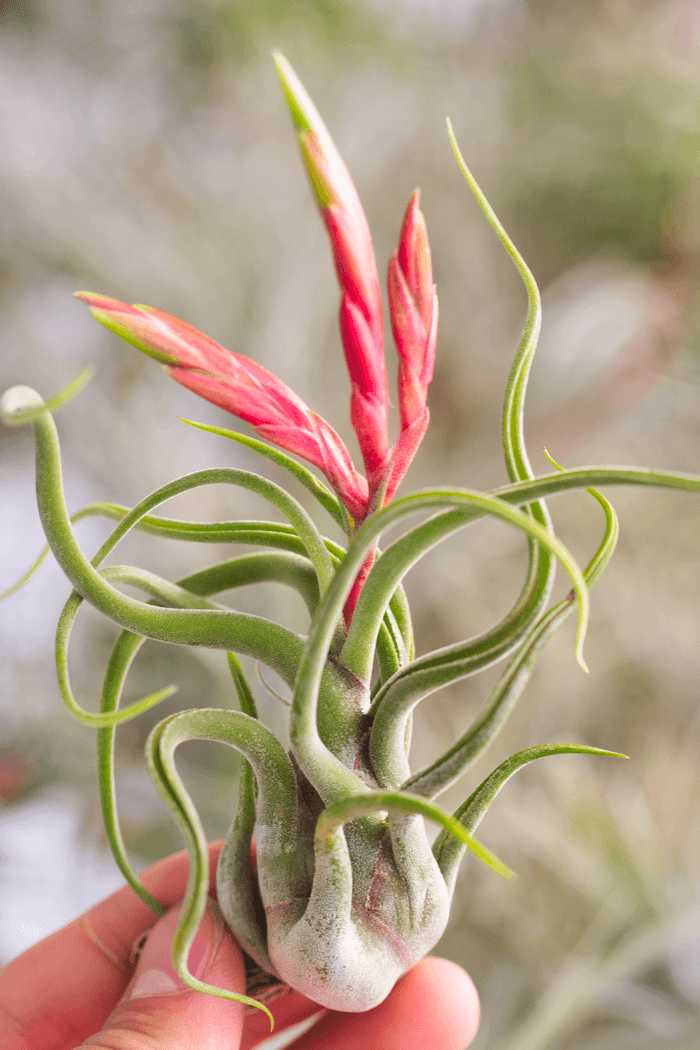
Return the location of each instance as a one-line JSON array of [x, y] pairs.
[[304, 113], [22, 404]]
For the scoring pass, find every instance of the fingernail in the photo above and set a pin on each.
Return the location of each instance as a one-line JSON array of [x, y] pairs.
[[154, 974]]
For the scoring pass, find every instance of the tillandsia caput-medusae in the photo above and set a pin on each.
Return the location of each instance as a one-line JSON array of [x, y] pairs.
[[326, 878]]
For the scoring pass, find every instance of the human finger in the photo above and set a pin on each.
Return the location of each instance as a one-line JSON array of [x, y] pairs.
[[158, 1012], [61, 990], [435, 1006]]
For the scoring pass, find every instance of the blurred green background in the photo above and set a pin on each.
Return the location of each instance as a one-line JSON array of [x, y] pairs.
[[146, 153]]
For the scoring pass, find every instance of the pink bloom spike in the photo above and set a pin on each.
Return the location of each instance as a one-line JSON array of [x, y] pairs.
[[414, 259], [414, 313], [403, 452], [357, 274], [239, 385], [368, 409]]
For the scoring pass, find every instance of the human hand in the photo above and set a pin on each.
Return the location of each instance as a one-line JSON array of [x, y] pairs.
[[81, 980]]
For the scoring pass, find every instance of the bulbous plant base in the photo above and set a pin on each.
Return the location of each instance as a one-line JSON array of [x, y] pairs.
[[337, 907], [350, 968], [365, 915]]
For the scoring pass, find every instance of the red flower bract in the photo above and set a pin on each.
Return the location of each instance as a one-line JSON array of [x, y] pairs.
[[239, 385], [253, 394], [361, 321]]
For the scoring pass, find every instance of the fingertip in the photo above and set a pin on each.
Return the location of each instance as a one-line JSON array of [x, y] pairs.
[[435, 1006], [454, 997]]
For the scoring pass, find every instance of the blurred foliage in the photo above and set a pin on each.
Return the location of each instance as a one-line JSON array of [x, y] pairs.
[[210, 33], [615, 188]]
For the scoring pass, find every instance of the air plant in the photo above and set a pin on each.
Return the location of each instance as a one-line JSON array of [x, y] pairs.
[[326, 877]]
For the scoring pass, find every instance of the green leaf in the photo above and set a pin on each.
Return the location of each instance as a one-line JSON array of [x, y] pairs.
[[293, 511], [317, 489], [277, 801], [208, 581], [355, 651], [449, 852], [398, 703], [239, 892], [21, 404], [328, 775], [334, 816], [213, 628], [512, 423]]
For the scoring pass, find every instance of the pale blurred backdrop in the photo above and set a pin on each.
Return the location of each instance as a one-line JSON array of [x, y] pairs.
[[146, 152]]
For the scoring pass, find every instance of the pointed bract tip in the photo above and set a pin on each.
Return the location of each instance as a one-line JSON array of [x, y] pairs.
[[413, 226], [304, 113], [97, 301], [125, 321]]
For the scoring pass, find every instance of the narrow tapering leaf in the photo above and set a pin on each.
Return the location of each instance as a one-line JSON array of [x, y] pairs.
[[447, 850]]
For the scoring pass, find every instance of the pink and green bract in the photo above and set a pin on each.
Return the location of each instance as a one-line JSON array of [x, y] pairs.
[[345, 893]]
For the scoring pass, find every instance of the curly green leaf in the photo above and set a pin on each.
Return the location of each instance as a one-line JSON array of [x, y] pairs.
[[448, 852], [339, 813], [318, 490], [330, 777], [398, 701]]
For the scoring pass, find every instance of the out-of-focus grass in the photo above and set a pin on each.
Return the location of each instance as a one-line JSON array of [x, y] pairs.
[[147, 154]]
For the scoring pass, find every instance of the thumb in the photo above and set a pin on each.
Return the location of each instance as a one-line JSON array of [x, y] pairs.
[[159, 1012]]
